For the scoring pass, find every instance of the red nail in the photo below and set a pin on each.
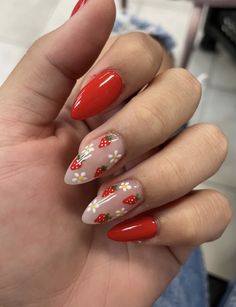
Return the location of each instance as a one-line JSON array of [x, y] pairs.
[[97, 95], [135, 229], [79, 4]]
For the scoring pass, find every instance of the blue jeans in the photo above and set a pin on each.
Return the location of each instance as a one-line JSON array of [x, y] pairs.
[[190, 288]]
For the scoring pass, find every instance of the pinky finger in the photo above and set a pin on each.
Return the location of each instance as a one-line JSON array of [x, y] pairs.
[[199, 217]]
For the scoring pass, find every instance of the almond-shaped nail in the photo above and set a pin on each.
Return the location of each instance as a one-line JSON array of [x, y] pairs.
[[113, 202], [139, 228], [95, 159], [97, 95], [79, 5]]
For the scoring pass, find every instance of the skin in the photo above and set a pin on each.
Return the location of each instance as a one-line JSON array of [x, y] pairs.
[[48, 257]]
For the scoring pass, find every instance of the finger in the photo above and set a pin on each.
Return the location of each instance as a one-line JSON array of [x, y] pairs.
[[132, 61], [144, 123], [98, 120], [199, 217], [65, 113], [41, 83], [189, 159]]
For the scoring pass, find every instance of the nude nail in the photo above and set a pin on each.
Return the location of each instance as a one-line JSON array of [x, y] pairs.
[[95, 159], [113, 202]]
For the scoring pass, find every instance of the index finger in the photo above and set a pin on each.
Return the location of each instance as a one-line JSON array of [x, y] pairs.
[[130, 63]]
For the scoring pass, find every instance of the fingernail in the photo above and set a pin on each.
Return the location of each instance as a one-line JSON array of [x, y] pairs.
[[136, 229], [95, 159], [113, 201], [97, 95], [79, 4]]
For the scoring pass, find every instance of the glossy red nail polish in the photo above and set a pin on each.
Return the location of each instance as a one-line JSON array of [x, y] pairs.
[[135, 229], [79, 4], [97, 95]]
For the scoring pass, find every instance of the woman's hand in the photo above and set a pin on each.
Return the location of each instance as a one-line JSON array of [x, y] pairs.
[[48, 257]]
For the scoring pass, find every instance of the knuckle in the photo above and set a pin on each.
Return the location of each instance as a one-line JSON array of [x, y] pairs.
[[184, 77], [216, 138], [138, 39], [191, 234], [222, 205], [175, 171], [142, 46], [206, 219], [214, 209], [153, 120], [228, 214]]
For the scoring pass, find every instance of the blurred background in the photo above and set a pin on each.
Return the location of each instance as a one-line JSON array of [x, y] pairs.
[[210, 55]]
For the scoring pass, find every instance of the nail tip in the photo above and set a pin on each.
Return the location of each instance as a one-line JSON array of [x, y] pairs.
[[86, 220], [69, 176]]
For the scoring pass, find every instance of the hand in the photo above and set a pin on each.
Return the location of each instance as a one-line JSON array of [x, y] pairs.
[[48, 257]]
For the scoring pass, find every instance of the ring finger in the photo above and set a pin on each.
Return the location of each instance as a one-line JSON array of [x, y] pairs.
[[189, 159]]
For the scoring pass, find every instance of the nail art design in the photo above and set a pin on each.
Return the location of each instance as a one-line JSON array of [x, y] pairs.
[[111, 202], [76, 164], [79, 4], [139, 228], [93, 206], [125, 186], [114, 157], [79, 178], [95, 159], [97, 95], [132, 199], [109, 190], [105, 141], [121, 212], [102, 218]]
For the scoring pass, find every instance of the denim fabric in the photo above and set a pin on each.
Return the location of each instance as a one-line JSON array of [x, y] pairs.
[[229, 299], [189, 288], [126, 23]]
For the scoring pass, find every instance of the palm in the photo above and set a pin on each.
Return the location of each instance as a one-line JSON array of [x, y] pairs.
[[50, 252]]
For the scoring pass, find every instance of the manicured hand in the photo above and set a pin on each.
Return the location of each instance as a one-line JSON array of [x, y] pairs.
[[48, 256]]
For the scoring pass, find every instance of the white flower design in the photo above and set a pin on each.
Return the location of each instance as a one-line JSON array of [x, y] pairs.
[[121, 212], [87, 150], [93, 206], [115, 157], [79, 177], [125, 186]]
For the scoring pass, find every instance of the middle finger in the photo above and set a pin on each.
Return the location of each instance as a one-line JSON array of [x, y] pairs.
[[144, 123]]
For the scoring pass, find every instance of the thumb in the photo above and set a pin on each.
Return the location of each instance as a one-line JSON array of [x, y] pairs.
[[40, 84]]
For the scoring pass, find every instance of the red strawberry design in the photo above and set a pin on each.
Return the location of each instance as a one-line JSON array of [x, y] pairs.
[[76, 164], [100, 170], [105, 141], [109, 190], [103, 218], [132, 199]]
